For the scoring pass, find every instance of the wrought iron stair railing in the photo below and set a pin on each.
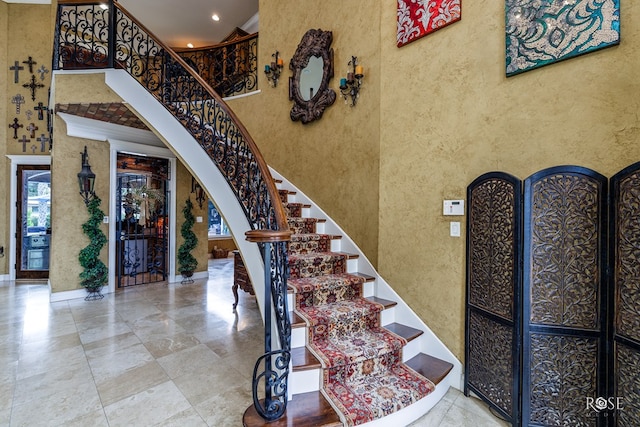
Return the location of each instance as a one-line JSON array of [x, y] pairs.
[[90, 36], [230, 68]]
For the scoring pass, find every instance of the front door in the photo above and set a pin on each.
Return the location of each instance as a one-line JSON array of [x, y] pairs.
[[33, 228]]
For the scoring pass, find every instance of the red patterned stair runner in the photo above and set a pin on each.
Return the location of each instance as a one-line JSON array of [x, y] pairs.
[[363, 375]]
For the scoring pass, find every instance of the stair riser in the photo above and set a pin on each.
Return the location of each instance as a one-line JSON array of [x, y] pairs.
[[305, 381], [298, 337]]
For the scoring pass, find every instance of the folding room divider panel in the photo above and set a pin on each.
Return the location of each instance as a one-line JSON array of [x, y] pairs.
[[562, 276], [564, 283], [625, 298], [493, 304]]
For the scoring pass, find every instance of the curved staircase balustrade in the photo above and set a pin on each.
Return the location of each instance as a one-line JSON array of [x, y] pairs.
[[230, 68], [88, 37]]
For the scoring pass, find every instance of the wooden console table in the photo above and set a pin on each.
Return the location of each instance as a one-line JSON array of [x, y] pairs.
[[240, 277]]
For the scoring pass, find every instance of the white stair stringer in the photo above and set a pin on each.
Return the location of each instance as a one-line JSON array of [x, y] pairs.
[[182, 143], [427, 343]]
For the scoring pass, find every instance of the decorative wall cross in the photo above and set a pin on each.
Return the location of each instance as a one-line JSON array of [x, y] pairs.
[[15, 126], [16, 71], [42, 70], [31, 63], [18, 100], [24, 141], [41, 108], [32, 128], [43, 140], [28, 113], [33, 86]]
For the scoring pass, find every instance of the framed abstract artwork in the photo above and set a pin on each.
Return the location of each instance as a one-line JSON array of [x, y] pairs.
[[541, 32], [417, 18]]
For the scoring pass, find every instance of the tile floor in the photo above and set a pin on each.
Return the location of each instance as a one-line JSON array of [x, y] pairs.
[[153, 355]]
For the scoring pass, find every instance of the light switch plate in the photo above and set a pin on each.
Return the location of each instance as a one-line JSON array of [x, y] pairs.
[[454, 229]]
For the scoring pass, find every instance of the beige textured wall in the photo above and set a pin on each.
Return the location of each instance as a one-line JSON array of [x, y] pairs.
[[4, 119], [344, 143], [21, 38], [200, 228], [26, 38], [450, 114], [68, 211]]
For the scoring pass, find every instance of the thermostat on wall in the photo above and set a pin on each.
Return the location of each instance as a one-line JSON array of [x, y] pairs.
[[453, 207]]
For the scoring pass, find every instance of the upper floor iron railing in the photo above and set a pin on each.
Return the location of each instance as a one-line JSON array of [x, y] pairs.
[[89, 35], [230, 68]]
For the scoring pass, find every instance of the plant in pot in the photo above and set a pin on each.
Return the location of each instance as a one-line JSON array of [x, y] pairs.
[[95, 273], [187, 263]]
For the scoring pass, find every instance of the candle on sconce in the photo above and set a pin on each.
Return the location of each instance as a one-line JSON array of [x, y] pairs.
[[359, 70], [280, 62], [343, 83], [267, 68], [273, 65], [349, 77]]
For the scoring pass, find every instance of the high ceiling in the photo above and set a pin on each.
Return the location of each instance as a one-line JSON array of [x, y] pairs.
[[177, 23]]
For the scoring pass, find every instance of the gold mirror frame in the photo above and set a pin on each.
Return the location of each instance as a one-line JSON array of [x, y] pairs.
[[314, 43]]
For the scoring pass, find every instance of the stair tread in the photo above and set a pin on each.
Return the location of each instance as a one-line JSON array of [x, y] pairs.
[[384, 302], [367, 277], [303, 410], [295, 319], [430, 367], [406, 332], [302, 359]]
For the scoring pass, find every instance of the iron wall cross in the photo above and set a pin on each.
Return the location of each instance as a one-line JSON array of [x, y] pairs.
[[16, 71], [24, 141], [43, 140], [15, 127], [31, 63], [32, 128], [42, 70], [18, 100], [33, 86], [41, 108]]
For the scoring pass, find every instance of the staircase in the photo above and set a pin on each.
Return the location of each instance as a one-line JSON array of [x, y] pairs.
[[215, 146], [329, 275]]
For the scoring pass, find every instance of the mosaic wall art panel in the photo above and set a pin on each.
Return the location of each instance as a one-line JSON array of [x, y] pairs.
[[541, 32], [417, 18]]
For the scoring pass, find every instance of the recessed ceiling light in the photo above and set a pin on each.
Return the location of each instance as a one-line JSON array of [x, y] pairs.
[[190, 45], [215, 17]]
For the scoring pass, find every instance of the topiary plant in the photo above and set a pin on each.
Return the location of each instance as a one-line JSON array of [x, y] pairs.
[[187, 263], [95, 272]]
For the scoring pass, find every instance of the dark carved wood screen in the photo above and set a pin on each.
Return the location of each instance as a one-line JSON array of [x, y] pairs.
[[564, 289], [625, 243], [492, 316]]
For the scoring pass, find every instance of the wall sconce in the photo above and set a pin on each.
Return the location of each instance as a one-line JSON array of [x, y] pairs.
[[350, 86], [273, 71], [86, 179], [198, 190]]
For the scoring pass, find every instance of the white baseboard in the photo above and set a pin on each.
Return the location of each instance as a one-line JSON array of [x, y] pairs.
[[4, 277], [197, 275], [68, 295]]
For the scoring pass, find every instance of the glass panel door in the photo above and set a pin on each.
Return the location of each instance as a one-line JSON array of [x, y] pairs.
[[33, 230]]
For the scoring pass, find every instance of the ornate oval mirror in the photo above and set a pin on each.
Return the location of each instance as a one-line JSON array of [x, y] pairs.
[[312, 67]]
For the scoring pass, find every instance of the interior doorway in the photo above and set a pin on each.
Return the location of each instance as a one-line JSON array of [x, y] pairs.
[[33, 221], [142, 221]]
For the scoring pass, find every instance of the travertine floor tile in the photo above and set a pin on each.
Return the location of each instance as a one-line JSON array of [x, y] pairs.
[[155, 355]]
